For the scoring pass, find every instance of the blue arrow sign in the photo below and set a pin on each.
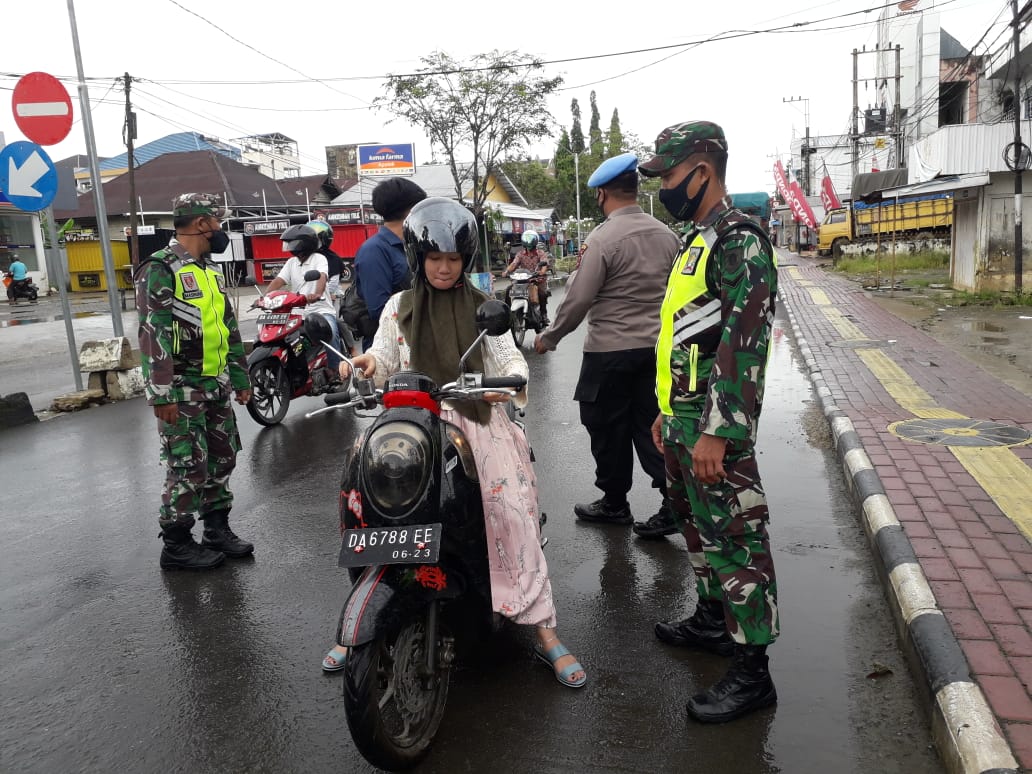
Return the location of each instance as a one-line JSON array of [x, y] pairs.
[[28, 177]]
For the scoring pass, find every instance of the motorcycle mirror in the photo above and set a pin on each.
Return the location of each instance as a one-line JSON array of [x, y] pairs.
[[493, 318], [311, 275]]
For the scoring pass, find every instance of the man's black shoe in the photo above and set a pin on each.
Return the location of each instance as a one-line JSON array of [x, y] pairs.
[[602, 512], [705, 630], [746, 687], [181, 551], [659, 525]]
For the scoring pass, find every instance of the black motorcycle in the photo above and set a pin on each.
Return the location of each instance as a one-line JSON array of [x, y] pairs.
[[16, 289], [414, 542]]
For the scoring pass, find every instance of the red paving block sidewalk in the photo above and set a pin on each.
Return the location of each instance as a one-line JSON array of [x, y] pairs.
[[975, 557]]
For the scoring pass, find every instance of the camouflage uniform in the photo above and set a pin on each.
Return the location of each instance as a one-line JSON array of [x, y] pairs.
[[192, 355], [711, 360]]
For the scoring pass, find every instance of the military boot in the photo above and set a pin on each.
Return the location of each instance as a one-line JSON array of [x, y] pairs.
[[746, 687], [181, 551], [218, 535], [705, 629]]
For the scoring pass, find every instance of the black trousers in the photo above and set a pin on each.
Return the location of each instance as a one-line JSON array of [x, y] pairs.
[[617, 396]]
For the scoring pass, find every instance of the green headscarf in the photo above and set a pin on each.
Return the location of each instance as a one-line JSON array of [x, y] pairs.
[[439, 326]]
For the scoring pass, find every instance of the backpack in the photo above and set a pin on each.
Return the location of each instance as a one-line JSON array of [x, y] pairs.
[[355, 314]]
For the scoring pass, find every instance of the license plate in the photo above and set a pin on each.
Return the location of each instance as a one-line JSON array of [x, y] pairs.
[[520, 291], [273, 319], [413, 544]]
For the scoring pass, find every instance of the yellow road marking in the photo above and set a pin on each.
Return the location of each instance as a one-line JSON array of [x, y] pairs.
[[1003, 475]]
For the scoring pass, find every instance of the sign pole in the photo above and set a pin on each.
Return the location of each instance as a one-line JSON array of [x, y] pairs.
[[62, 290], [98, 192]]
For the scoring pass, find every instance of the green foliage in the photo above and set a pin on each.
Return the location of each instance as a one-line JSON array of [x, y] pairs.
[[576, 132], [533, 180], [615, 141], [868, 264], [598, 151], [474, 110]]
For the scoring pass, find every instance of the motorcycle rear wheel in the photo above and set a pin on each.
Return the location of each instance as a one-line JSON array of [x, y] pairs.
[[519, 328], [393, 715], [270, 392]]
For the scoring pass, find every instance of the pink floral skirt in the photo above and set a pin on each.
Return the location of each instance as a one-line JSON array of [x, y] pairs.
[[520, 589]]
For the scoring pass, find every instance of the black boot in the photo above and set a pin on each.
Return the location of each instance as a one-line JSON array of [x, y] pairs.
[[543, 309], [181, 552], [746, 687], [602, 511], [659, 525], [219, 536], [705, 630]]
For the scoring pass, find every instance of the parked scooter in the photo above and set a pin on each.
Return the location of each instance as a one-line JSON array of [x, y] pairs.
[[523, 313], [16, 289], [289, 355], [414, 542]]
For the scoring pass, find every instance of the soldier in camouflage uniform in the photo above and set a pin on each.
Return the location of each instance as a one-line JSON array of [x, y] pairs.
[[711, 358], [192, 357]]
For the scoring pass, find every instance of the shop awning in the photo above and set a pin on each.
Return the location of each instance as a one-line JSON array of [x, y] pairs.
[[938, 185]]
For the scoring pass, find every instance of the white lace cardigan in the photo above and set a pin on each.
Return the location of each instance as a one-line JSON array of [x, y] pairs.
[[501, 355]]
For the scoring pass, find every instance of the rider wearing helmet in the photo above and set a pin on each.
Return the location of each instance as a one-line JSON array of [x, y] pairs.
[[534, 259], [302, 242], [427, 329], [334, 263]]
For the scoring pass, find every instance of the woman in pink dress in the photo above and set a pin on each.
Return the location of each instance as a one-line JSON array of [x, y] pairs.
[[427, 329]]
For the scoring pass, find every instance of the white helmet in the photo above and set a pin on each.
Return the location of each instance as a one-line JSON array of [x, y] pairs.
[[529, 239]]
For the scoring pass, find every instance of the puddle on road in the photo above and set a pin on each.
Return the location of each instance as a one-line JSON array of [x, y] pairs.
[[981, 325]]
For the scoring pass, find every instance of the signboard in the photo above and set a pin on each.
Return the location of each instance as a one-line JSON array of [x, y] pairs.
[[28, 177], [266, 227], [398, 159], [42, 108], [140, 231]]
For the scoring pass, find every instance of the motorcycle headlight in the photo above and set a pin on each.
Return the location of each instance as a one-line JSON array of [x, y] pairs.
[[397, 466]]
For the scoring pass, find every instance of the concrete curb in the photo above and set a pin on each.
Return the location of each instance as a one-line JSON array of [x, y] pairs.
[[966, 734]]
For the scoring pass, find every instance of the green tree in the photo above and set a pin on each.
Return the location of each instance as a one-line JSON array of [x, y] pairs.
[[533, 180], [615, 141], [595, 132], [576, 133], [564, 176], [474, 109]]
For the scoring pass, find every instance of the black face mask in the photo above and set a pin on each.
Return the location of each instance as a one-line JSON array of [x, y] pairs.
[[676, 199], [218, 241]]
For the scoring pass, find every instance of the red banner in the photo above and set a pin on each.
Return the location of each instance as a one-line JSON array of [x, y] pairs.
[[829, 198], [801, 207], [781, 181]]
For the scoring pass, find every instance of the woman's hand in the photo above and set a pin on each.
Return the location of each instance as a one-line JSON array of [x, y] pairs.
[[366, 362], [496, 397]]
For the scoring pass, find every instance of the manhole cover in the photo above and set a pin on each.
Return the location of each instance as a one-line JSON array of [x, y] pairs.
[[960, 432], [860, 343]]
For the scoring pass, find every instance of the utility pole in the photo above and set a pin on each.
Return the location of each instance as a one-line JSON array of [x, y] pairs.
[[576, 175], [130, 135], [854, 131], [98, 190], [897, 118], [1019, 156], [805, 150]]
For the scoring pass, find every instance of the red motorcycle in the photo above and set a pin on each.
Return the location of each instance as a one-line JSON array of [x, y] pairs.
[[289, 356]]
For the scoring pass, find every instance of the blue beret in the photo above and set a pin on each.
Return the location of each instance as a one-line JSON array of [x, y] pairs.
[[612, 168]]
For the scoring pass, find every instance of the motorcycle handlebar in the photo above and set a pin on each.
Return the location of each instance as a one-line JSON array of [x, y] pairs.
[[504, 382], [336, 398]]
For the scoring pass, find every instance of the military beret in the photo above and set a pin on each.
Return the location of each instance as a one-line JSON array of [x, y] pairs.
[[678, 142], [198, 204], [610, 169]]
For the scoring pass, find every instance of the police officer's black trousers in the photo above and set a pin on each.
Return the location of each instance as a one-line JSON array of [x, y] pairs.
[[617, 396]]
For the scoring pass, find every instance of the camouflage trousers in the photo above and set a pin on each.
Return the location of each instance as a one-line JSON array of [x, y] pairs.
[[199, 450], [725, 527]]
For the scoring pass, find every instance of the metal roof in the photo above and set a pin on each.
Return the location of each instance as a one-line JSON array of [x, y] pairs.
[[172, 143], [435, 179], [938, 185]]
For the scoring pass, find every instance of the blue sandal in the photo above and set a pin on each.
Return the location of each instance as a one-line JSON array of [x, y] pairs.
[[334, 662], [554, 654]]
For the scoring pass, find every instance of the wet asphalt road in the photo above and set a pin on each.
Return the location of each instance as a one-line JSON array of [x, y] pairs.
[[107, 663]]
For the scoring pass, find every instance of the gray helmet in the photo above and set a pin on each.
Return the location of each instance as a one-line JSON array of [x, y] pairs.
[[443, 226], [300, 240]]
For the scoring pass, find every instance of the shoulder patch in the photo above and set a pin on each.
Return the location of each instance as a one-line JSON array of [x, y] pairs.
[[694, 254], [190, 288]]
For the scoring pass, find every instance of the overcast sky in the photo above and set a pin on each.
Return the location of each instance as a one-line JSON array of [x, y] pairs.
[[200, 68]]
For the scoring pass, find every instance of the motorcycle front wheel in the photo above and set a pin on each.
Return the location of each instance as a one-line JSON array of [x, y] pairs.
[[270, 392], [519, 328], [393, 708]]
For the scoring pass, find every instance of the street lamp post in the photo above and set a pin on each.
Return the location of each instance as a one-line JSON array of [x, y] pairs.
[[576, 174]]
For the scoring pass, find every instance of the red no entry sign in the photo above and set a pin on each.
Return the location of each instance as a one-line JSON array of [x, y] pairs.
[[42, 108]]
